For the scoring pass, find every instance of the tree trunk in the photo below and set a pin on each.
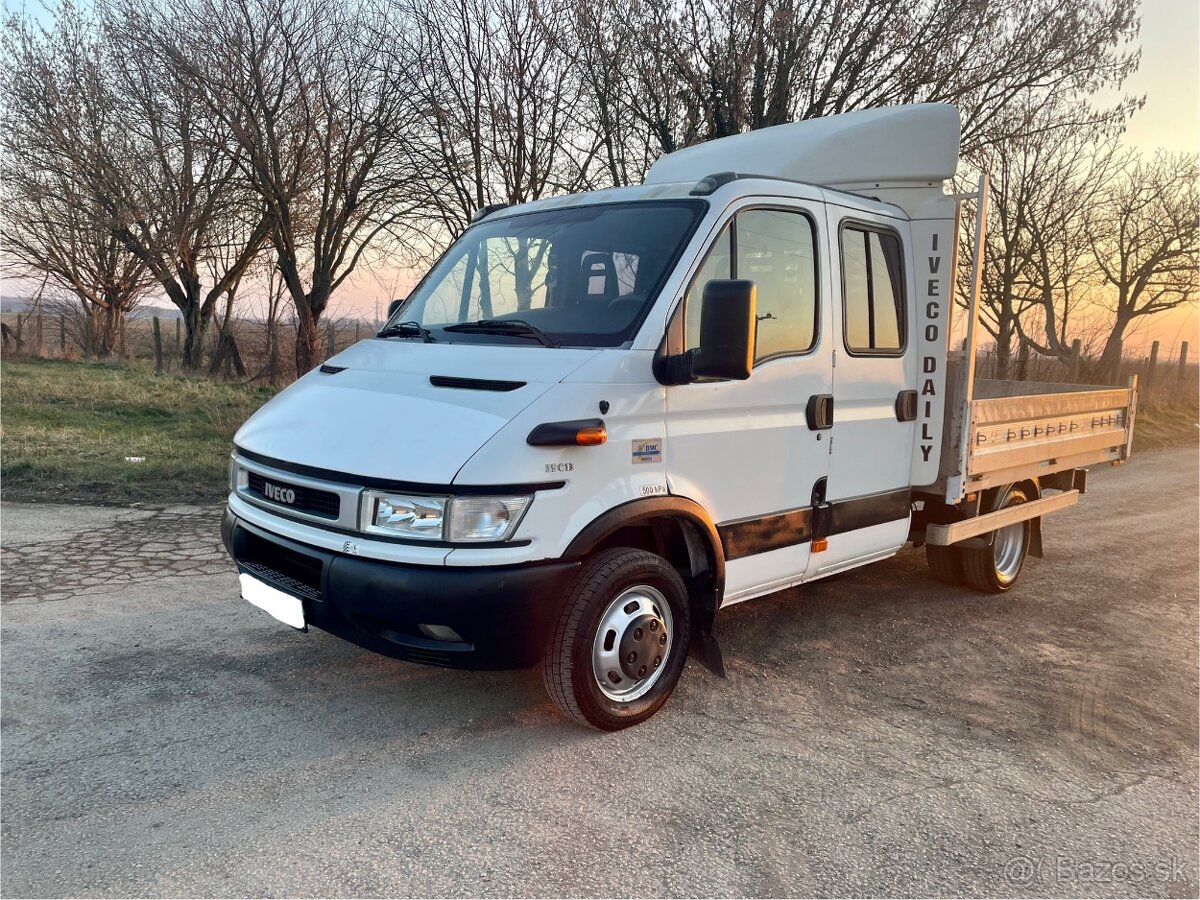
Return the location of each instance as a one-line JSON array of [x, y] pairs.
[[308, 340], [1110, 360], [109, 340], [193, 338], [185, 294], [1004, 335], [272, 353]]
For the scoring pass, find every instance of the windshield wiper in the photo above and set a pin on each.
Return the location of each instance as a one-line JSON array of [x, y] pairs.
[[409, 329], [514, 327]]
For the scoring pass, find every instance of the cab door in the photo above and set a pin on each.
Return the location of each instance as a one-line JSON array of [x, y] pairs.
[[867, 497], [744, 449]]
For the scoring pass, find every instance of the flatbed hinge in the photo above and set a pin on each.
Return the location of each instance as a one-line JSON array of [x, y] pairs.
[[835, 359]]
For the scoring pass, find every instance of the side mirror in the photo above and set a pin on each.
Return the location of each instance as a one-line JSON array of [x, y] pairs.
[[395, 305], [728, 325]]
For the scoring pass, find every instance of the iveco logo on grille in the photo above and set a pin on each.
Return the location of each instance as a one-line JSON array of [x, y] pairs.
[[278, 494]]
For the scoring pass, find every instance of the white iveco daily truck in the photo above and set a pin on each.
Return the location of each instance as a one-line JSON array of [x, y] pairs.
[[602, 418]]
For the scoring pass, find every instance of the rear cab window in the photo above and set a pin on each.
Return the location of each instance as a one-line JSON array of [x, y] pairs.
[[873, 301]]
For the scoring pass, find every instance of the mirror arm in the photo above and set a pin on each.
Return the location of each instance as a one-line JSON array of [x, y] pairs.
[[676, 368]]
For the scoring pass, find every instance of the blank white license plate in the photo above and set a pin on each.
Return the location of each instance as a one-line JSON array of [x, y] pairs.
[[287, 609]]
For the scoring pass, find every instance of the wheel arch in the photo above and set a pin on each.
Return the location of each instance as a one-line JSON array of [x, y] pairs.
[[679, 530]]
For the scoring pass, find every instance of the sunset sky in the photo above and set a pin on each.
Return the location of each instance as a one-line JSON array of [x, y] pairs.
[[1169, 77]]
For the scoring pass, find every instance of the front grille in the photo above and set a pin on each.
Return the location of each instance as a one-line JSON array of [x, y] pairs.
[[325, 504]]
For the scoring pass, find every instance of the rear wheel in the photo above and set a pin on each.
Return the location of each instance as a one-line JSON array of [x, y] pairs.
[[946, 563], [621, 640], [994, 569]]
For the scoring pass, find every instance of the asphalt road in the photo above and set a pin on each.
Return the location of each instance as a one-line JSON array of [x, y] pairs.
[[881, 734]]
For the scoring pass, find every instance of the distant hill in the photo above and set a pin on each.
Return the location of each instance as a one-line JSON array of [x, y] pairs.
[[21, 304]]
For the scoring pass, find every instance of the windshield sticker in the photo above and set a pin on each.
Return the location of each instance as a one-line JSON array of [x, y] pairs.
[[648, 450]]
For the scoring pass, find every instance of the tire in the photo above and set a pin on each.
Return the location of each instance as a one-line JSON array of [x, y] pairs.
[[946, 563], [995, 569], [577, 649]]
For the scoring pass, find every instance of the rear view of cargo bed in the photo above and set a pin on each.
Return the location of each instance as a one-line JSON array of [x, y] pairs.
[[1012, 431]]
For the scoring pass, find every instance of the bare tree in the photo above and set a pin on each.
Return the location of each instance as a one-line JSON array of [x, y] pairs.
[[1142, 232], [1035, 258], [499, 102], [317, 129], [53, 229], [54, 225], [134, 144], [703, 70]]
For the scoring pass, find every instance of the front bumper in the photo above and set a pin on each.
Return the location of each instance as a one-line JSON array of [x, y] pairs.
[[501, 613]]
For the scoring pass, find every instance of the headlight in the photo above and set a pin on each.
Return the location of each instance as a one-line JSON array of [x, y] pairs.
[[405, 516], [484, 518], [455, 519]]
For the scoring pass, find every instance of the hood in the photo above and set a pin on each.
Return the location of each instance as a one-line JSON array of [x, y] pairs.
[[381, 417]]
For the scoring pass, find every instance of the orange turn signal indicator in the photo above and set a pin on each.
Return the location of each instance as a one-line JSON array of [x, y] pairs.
[[576, 433], [819, 545], [591, 436]]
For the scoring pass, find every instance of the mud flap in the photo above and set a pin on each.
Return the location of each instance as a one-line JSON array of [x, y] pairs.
[[707, 652], [1035, 537]]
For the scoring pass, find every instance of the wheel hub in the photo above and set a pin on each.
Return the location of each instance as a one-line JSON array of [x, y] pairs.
[[632, 641], [642, 646]]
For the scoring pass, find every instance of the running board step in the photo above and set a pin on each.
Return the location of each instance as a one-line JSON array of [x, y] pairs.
[[944, 535]]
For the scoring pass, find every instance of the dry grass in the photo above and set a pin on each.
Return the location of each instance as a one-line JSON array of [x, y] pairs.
[[68, 428]]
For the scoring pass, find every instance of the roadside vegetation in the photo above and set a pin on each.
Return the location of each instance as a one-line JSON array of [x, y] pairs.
[[72, 430], [116, 433]]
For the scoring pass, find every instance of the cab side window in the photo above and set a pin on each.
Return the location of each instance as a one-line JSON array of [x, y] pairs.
[[776, 250], [717, 264], [872, 292]]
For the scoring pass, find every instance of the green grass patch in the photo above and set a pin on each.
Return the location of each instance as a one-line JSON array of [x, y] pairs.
[[1158, 425], [67, 428]]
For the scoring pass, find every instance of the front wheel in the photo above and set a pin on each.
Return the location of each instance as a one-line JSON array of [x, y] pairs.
[[994, 569], [621, 640]]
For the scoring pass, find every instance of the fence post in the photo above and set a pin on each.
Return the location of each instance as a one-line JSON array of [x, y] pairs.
[[37, 347], [356, 338], [1183, 349], [158, 360], [1076, 349], [330, 340], [1153, 365], [178, 341], [62, 333], [87, 336]]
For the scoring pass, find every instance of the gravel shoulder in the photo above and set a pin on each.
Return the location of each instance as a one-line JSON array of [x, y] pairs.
[[880, 734]]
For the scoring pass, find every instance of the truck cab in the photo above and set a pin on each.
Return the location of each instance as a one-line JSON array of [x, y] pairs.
[[601, 418]]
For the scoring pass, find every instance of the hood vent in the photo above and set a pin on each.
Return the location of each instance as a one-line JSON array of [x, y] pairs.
[[332, 370], [474, 384]]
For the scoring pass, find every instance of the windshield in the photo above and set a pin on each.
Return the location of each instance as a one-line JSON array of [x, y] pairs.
[[582, 276]]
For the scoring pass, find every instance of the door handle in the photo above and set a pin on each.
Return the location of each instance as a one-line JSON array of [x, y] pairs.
[[906, 406], [819, 412]]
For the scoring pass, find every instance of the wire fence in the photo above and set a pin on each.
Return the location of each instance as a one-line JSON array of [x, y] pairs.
[[254, 351]]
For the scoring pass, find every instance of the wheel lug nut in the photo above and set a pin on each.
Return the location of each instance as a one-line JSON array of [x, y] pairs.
[[642, 672], [654, 625], [637, 634], [662, 640], [657, 661], [632, 657]]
